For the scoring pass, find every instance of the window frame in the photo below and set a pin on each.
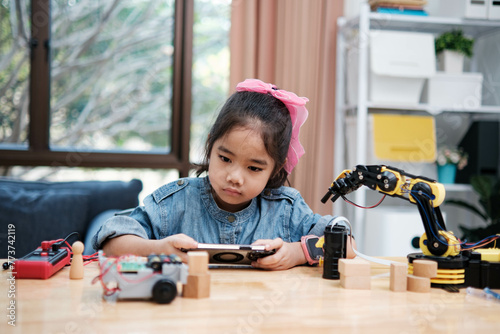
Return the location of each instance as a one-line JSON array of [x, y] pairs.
[[39, 152]]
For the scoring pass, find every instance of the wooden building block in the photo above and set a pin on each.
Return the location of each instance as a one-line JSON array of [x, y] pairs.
[[197, 262], [418, 284], [355, 282], [354, 267], [197, 286], [398, 280], [425, 268]]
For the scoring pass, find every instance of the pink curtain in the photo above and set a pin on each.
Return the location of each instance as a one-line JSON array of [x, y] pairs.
[[291, 43]]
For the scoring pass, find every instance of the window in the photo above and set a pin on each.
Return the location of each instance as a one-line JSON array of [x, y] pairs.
[[111, 75], [210, 71], [110, 83], [14, 73]]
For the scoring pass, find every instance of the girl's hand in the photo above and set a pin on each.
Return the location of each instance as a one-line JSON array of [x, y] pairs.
[[287, 255], [133, 244], [174, 244]]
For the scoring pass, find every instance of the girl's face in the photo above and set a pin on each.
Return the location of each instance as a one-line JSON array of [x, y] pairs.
[[239, 168]]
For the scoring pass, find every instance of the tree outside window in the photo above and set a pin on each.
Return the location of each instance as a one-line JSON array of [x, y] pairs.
[[112, 75]]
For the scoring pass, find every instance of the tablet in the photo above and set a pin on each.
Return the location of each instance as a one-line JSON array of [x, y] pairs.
[[233, 254]]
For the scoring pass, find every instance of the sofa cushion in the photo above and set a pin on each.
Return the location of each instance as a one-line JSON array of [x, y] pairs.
[[104, 195], [29, 217], [51, 210]]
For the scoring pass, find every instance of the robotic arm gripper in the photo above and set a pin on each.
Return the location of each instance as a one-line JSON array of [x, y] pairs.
[[426, 193]]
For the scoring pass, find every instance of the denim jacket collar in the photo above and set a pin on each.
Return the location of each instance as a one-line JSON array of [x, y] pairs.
[[222, 215]]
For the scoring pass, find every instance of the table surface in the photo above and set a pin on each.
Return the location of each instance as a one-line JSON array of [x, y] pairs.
[[298, 300]]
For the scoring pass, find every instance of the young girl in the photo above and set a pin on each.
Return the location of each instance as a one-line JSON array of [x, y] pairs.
[[251, 149]]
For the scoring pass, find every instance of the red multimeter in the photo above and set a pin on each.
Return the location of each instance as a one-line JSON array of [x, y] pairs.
[[43, 262]]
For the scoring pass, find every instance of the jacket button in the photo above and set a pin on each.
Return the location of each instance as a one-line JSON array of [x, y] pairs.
[[231, 219], [180, 182]]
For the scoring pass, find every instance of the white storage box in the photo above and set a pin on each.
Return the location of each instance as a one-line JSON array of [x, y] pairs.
[[399, 64], [454, 90], [493, 9], [389, 231], [471, 9]]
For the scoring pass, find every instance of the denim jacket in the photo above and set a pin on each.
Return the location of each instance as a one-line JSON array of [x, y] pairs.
[[187, 206]]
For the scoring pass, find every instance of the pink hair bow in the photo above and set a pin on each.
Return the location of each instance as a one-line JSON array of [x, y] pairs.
[[296, 107]]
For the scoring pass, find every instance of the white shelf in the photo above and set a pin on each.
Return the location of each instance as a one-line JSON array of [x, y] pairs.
[[353, 34], [430, 109], [457, 187], [430, 24]]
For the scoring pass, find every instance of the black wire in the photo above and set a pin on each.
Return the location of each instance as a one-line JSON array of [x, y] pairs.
[[70, 235], [59, 244]]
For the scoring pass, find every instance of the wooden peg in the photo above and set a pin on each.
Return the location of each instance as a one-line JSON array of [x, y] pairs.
[[398, 280], [418, 284], [197, 286], [425, 268], [197, 262], [354, 267], [355, 282], [76, 269]]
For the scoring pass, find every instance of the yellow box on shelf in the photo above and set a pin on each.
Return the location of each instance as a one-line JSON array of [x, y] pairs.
[[407, 138]]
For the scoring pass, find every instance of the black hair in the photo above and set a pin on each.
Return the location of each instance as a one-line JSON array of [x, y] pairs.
[[251, 109]]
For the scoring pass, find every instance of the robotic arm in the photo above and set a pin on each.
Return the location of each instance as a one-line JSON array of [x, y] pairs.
[[426, 193]]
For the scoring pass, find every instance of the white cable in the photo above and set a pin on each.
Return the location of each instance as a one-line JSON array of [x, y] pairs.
[[373, 259], [361, 255]]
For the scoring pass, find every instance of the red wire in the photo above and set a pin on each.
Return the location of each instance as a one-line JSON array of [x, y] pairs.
[[364, 207], [138, 280], [108, 291], [86, 258], [472, 246], [90, 258]]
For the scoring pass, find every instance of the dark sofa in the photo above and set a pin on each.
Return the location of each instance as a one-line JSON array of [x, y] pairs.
[[32, 212]]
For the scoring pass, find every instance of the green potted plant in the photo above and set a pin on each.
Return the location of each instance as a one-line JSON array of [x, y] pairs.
[[451, 47], [489, 210]]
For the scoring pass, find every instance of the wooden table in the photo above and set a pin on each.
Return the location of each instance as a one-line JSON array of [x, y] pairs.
[[246, 301]]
